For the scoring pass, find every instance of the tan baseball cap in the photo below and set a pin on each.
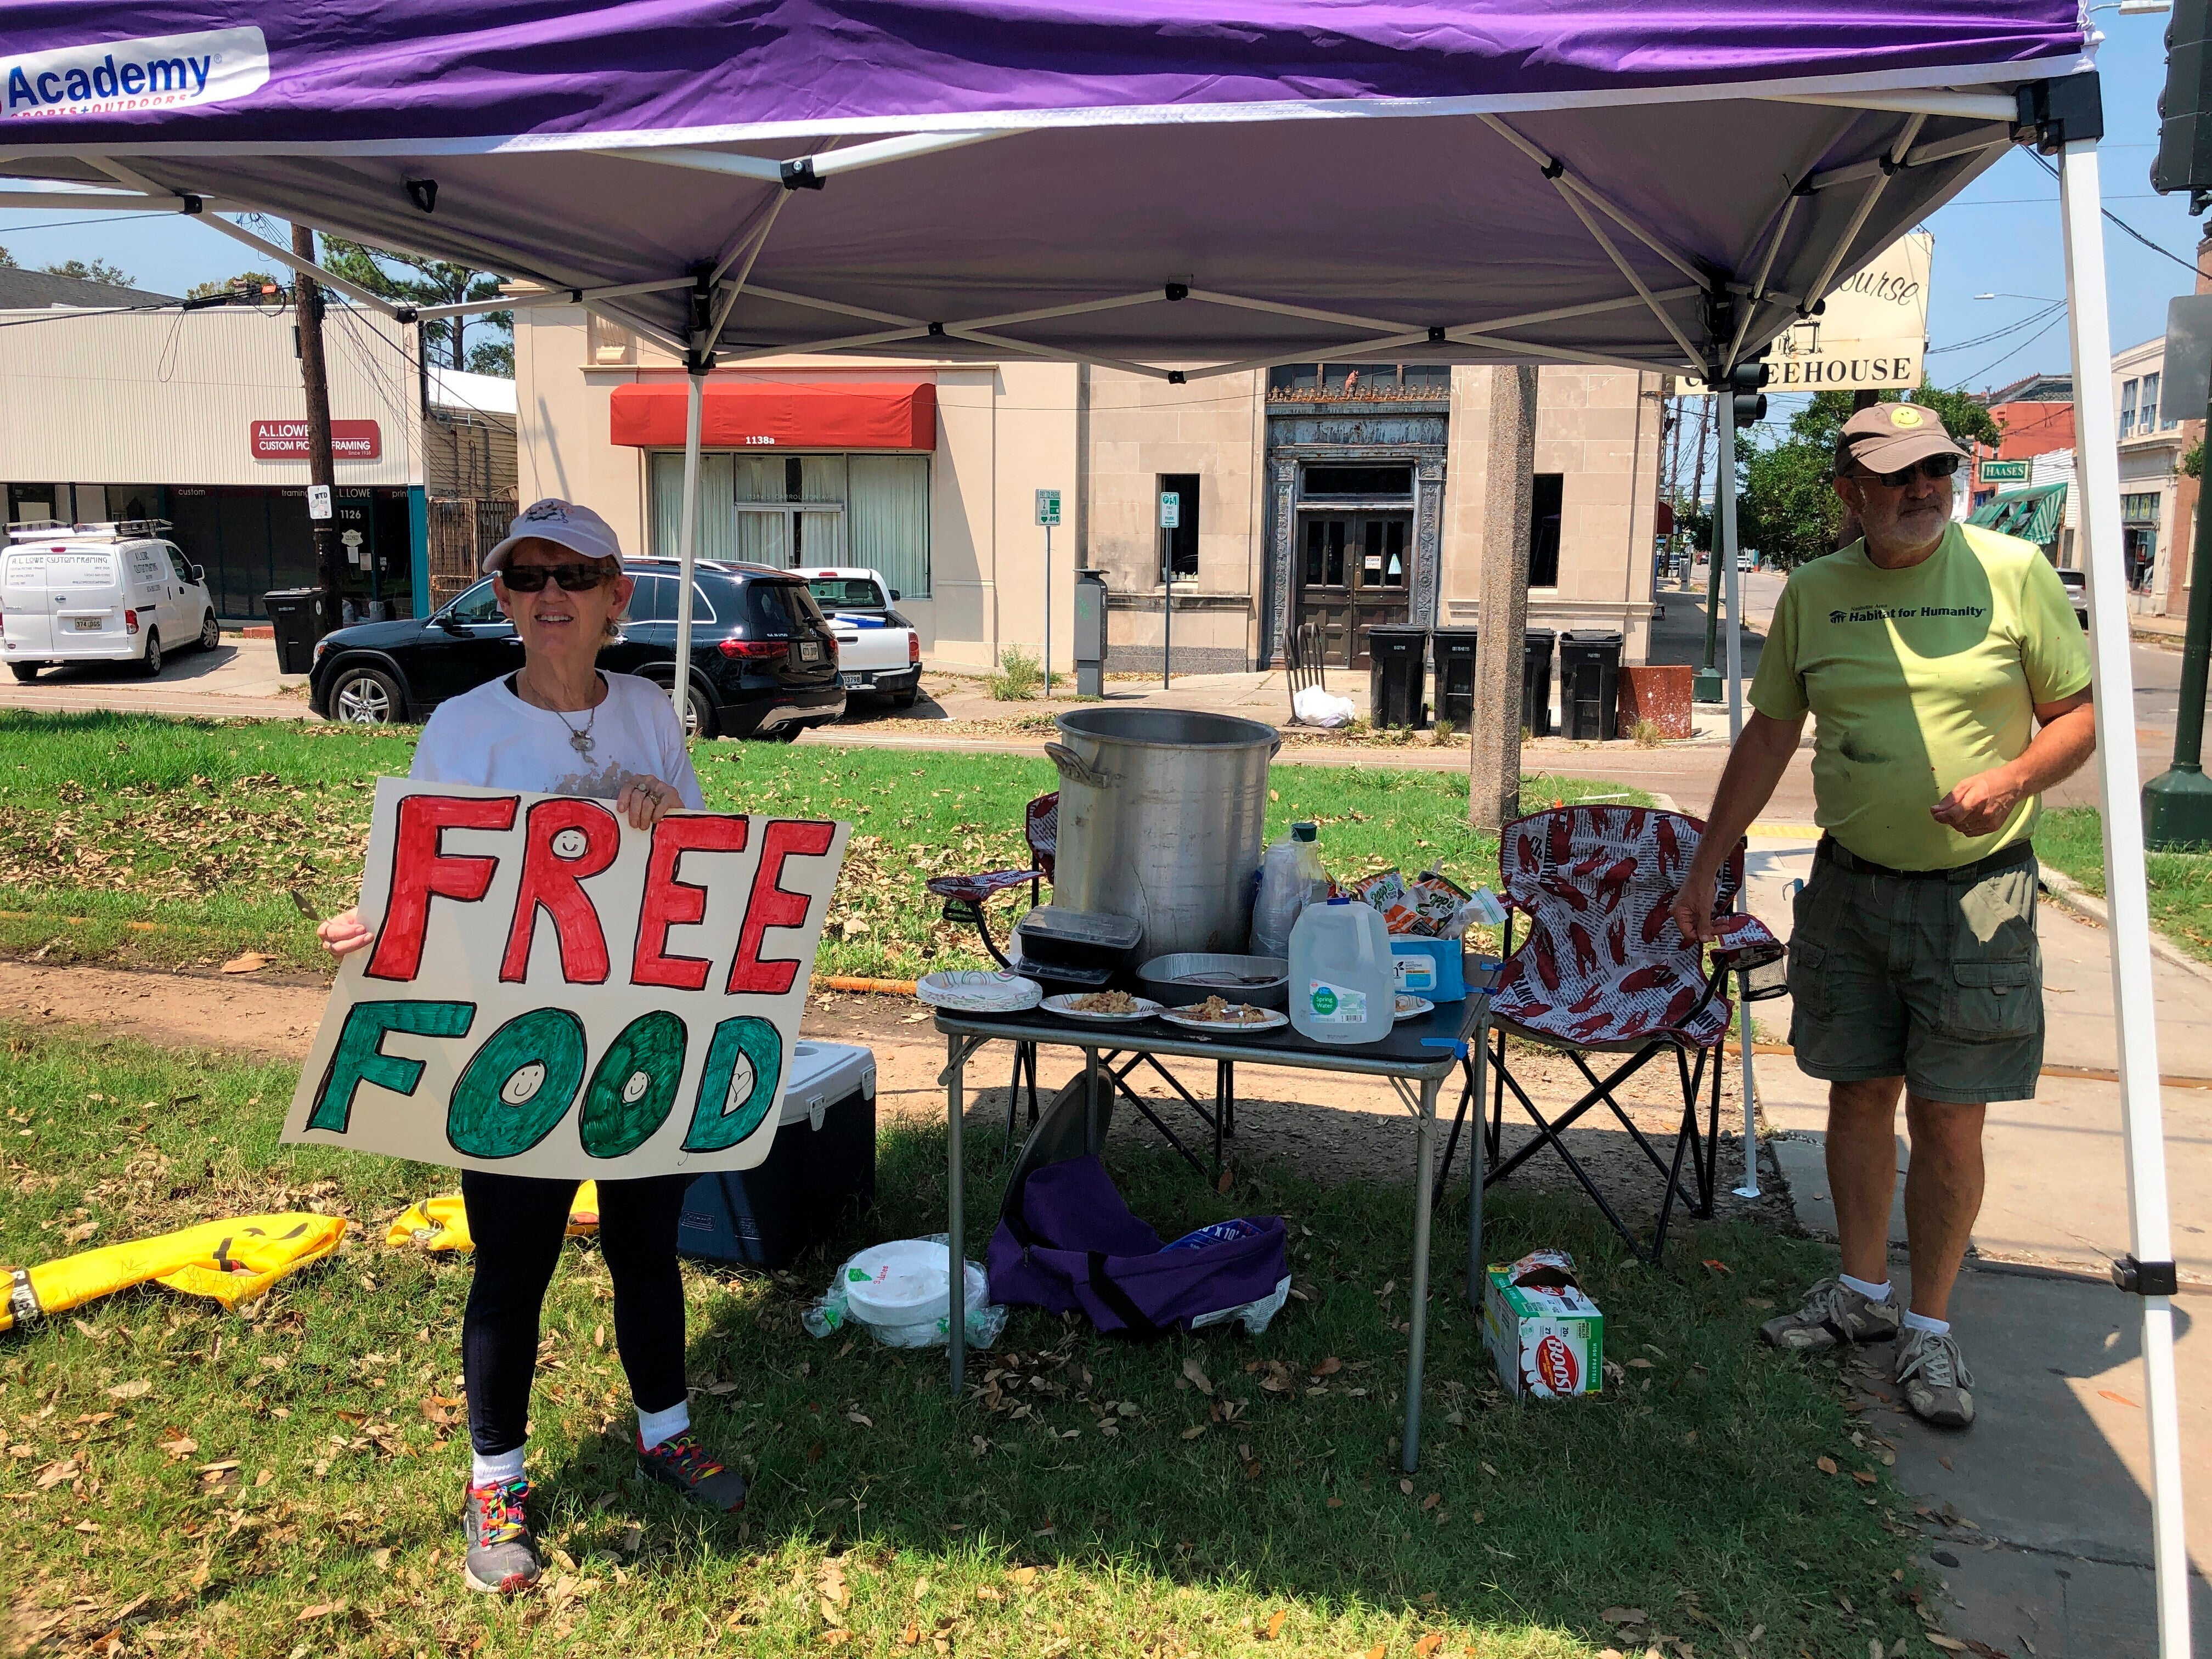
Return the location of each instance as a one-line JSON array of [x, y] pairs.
[[578, 529], [1891, 436]]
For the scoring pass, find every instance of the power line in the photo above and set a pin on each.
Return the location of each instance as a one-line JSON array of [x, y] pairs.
[[2188, 265], [2029, 321]]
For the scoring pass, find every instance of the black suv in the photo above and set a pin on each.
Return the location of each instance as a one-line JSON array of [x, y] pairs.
[[763, 660]]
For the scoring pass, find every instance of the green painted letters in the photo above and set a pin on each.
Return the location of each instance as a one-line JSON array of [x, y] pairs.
[[360, 1058], [634, 1086], [519, 1086], [736, 1085]]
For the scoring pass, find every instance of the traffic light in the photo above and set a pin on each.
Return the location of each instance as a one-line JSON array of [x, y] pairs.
[[2184, 108], [1744, 382]]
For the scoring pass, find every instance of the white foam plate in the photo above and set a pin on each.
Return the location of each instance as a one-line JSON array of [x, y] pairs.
[[1272, 1019], [1413, 1007], [972, 991], [1065, 1005]]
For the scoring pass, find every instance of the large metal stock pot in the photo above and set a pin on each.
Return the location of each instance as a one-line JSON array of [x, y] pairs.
[[1162, 819]]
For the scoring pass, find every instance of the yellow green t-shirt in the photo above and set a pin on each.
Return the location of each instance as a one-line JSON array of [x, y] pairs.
[[1918, 678]]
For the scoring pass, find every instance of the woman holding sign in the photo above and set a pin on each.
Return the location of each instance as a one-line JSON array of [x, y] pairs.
[[559, 725]]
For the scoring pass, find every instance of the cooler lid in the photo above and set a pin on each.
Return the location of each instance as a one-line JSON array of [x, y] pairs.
[[1097, 930], [822, 1075]]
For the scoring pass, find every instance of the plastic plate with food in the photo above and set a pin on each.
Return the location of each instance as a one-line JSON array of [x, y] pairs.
[[1218, 1014], [1115, 1007], [1410, 1007]]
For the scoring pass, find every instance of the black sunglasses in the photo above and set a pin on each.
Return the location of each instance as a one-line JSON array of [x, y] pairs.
[[573, 577], [1931, 467]]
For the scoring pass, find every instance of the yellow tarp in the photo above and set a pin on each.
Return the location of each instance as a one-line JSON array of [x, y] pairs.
[[233, 1262], [442, 1223]]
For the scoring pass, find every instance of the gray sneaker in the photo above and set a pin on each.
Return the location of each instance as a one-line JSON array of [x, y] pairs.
[[503, 1557], [1833, 1313], [1934, 1376]]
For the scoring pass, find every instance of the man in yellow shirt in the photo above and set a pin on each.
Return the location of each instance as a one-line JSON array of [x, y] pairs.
[[1949, 683]]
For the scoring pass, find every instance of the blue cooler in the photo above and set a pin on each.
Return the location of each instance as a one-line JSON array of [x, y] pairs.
[[1429, 968], [820, 1164]]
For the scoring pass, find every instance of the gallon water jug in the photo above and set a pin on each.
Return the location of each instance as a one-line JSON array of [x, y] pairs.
[[1343, 987], [1291, 877]]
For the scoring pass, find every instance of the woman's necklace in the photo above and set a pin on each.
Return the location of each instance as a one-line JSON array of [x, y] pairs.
[[580, 736]]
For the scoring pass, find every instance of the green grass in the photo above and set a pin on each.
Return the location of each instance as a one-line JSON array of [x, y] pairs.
[[2072, 840], [1689, 1489], [168, 842]]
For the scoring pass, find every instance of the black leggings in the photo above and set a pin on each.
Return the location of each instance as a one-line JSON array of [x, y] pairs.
[[518, 1222]]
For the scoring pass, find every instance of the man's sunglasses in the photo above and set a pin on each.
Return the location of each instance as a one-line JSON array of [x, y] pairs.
[[573, 577], [1931, 467]]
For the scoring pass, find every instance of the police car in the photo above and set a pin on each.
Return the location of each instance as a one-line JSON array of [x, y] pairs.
[[877, 649], [114, 591]]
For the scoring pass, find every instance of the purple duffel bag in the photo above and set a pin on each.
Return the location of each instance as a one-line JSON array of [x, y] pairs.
[[1069, 1242]]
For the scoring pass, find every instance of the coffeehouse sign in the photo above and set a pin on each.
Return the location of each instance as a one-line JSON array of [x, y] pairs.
[[287, 441], [1872, 333]]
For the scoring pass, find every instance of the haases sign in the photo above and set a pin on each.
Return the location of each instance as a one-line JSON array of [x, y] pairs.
[[287, 441]]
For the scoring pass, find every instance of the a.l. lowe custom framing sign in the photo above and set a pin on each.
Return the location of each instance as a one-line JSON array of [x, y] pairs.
[[552, 992]]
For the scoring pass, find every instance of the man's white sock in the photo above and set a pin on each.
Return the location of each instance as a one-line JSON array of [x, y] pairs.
[[497, 1469], [1917, 1321], [653, 1427], [1871, 1292]]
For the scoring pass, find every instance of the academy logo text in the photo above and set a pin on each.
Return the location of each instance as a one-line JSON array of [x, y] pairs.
[[1905, 612], [157, 72]]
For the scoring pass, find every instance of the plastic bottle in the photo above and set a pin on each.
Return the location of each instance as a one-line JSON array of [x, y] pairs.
[[1343, 984], [1291, 877]]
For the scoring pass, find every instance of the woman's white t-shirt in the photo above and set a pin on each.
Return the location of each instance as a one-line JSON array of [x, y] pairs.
[[491, 737]]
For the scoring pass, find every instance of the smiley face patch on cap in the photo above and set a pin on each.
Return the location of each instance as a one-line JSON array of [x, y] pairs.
[[1904, 414]]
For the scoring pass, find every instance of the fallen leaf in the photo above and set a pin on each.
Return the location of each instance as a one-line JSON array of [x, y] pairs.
[[865, 1422], [1193, 1432], [1336, 1503], [252, 961], [1228, 1180], [1432, 1500], [835, 1638], [54, 1473], [1196, 1373], [130, 1390], [181, 1447], [1406, 1487], [1864, 1477], [912, 1633], [1329, 1367], [1949, 1644], [1428, 1644], [921, 1589], [320, 1610], [1625, 1616], [1375, 1652], [1717, 1266], [1025, 1577], [2106, 1394], [1826, 1465], [1274, 1630], [1640, 1364]]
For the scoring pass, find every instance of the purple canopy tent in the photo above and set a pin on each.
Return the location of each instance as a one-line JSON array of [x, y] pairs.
[[1151, 188]]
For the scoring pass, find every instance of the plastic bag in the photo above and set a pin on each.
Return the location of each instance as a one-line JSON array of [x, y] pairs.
[[985, 1320], [1315, 706], [1254, 1315]]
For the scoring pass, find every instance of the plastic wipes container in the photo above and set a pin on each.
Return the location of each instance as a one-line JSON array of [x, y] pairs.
[[1429, 968], [1343, 981], [900, 1292], [1291, 877]]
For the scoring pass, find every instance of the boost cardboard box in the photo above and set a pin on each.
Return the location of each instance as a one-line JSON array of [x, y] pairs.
[[1546, 1336]]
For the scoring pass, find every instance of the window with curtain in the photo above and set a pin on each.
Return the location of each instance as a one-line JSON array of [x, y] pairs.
[[887, 519], [718, 532], [2147, 407], [2128, 407], [750, 505]]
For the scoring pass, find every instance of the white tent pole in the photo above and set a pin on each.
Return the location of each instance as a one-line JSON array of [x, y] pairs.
[[687, 544], [2097, 471], [1725, 484]]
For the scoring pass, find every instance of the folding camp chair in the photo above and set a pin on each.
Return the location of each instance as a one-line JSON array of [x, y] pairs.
[[1302, 659], [965, 897], [1603, 970]]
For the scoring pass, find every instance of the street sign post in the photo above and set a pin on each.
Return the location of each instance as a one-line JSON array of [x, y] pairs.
[[2178, 802], [1170, 519], [1048, 514], [318, 501]]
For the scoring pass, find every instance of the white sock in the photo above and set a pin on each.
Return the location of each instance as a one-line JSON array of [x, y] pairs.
[[1917, 1322], [497, 1469], [1871, 1292], [653, 1427]]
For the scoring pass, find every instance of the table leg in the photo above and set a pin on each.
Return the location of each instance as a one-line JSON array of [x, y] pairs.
[[955, 1107], [1477, 1148], [1417, 1343], [1091, 1140]]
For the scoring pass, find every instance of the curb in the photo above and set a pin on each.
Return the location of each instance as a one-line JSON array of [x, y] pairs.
[[2068, 893]]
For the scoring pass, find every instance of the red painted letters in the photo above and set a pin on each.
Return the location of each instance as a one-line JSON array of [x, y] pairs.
[[772, 907], [565, 842], [419, 872], [669, 902]]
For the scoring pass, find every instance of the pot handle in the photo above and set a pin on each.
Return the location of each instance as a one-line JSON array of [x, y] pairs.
[[1073, 768]]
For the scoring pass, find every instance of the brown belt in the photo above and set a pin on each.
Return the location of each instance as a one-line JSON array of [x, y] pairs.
[[1843, 858]]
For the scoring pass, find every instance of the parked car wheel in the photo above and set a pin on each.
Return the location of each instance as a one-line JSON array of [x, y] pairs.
[[211, 634], [151, 664], [25, 672], [365, 696], [698, 712]]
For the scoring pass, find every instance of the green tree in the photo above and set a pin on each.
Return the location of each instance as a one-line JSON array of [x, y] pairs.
[[98, 271], [6, 260], [2192, 463], [411, 279], [247, 285], [1788, 508]]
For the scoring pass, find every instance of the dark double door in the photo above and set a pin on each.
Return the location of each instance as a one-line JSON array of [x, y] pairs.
[[1355, 570]]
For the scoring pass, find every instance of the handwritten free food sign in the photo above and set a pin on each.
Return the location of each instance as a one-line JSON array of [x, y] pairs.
[[552, 992]]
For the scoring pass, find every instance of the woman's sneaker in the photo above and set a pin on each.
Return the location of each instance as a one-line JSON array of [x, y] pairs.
[[1833, 1312], [1934, 1378], [502, 1556], [682, 1463]]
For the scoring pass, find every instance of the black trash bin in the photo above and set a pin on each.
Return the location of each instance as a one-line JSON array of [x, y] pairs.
[[1455, 653], [1398, 654], [1537, 682], [1590, 677], [296, 614]]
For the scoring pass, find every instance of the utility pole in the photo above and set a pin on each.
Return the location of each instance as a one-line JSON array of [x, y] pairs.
[[1494, 796], [1705, 683], [321, 465]]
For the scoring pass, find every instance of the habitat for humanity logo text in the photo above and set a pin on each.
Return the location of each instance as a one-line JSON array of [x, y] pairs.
[[1903, 612], [157, 72]]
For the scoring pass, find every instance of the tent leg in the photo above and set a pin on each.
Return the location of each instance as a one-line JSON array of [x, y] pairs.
[[2141, 1107], [1724, 489], [687, 545]]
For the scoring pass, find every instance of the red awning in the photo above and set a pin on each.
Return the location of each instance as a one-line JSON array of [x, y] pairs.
[[762, 414]]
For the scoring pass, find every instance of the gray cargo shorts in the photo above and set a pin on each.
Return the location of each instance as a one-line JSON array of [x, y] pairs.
[[1935, 979]]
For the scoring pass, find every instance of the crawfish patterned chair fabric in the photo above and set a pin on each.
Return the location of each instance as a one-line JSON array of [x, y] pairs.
[[1602, 965], [1040, 828]]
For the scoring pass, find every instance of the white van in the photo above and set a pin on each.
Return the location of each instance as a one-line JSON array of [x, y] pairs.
[[99, 592]]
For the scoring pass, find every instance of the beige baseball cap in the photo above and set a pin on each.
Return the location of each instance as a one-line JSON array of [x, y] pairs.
[[578, 529], [1891, 436]]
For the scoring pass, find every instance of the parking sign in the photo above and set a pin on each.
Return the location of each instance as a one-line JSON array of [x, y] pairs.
[[1170, 510], [1047, 507]]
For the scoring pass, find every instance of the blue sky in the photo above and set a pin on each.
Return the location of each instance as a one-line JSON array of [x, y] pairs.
[[2002, 237]]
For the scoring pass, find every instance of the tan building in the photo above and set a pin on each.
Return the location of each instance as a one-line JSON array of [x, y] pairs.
[[1340, 494]]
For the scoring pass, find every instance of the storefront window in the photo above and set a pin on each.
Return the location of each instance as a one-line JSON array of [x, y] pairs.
[[794, 510]]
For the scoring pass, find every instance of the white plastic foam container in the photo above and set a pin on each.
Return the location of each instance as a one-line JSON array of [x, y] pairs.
[[1343, 983]]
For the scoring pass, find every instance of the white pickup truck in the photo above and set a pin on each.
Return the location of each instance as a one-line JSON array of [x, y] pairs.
[[877, 649]]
